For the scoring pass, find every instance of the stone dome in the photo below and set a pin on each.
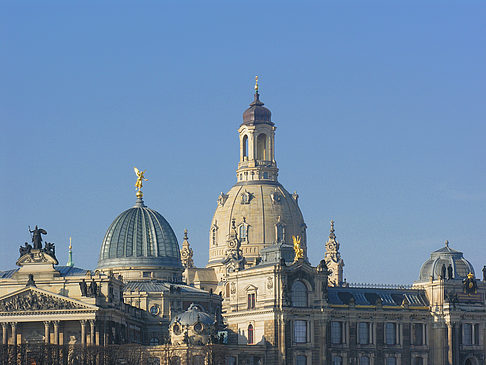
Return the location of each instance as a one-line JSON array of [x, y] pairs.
[[139, 238], [445, 256], [257, 113], [194, 326], [264, 213], [193, 315]]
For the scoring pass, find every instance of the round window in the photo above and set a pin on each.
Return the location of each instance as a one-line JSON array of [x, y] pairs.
[[154, 310], [198, 327]]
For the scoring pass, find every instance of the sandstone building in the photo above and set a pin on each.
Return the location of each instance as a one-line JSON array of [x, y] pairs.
[[258, 300]]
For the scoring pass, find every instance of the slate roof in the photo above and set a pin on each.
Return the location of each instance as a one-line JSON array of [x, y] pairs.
[[152, 286], [369, 296], [64, 270]]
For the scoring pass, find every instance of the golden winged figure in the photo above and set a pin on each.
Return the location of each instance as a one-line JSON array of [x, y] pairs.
[[140, 178], [299, 252]]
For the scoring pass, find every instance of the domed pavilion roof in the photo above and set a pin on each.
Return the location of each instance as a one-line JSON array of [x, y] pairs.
[[445, 256], [139, 237], [192, 315]]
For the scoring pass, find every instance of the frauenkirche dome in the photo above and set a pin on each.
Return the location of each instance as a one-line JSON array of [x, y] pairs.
[[258, 211]]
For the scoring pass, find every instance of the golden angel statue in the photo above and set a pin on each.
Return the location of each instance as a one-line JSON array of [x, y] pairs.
[[140, 178], [299, 252]]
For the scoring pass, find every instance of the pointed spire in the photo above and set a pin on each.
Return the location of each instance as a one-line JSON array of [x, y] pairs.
[[256, 100], [186, 252], [332, 235], [333, 259], [70, 260]]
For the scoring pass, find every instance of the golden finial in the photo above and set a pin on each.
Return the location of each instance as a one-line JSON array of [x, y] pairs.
[[299, 252], [70, 246], [256, 84], [140, 180]]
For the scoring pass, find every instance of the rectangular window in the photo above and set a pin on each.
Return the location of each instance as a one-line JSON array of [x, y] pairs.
[[418, 361], [230, 360], [301, 360], [364, 360], [467, 334], [337, 360], [364, 333], [391, 361], [476, 334], [418, 333], [300, 331], [391, 334], [251, 301], [336, 332]]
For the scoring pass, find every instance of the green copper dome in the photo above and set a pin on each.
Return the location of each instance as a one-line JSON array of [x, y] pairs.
[[139, 237]]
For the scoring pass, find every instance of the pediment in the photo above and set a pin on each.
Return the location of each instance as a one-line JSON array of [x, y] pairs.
[[31, 299], [36, 256], [250, 288]]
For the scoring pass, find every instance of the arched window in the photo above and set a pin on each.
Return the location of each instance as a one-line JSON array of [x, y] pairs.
[[154, 341], [262, 147], [242, 232], [214, 235], [280, 232], [245, 147], [250, 334], [299, 294], [227, 290]]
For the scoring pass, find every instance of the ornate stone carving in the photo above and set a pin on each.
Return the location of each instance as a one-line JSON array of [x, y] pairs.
[[246, 197], [233, 288], [222, 199], [35, 250], [333, 259], [276, 197], [186, 252], [34, 301], [269, 283], [469, 284]]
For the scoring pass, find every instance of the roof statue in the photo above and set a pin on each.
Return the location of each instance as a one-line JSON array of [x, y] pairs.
[[256, 84], [36, 236], [299, 252], [140, 179]]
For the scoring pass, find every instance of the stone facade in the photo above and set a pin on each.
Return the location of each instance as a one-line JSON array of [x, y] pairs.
[[255, 302]]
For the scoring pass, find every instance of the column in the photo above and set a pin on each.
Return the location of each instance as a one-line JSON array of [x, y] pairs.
[[106, 339], [98, 335], [4, 333], [14, 333], [47, 334], [83, 332], [91, 332], [449, 343], [56, 332]]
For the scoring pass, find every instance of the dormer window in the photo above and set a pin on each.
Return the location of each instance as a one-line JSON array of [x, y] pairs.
[[280, 232], [243, 231]]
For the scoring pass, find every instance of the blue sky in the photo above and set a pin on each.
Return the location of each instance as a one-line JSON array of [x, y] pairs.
[[380, 109]]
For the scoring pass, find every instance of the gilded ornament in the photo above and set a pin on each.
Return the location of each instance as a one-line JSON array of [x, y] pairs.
[[140, 179], [299, 252]]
